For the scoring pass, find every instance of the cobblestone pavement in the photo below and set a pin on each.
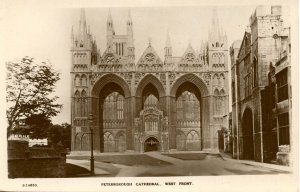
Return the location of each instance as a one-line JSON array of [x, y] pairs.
[[207, 165]]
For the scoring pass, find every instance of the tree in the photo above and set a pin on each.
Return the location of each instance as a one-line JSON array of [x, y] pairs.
[[29, 92], [60, 134]]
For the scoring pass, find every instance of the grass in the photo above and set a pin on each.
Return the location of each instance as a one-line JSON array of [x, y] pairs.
[[76, 171], [129, 160], [188, 156]]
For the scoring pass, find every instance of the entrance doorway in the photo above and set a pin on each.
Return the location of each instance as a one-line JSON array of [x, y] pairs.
[[247, 135], [151, 144]]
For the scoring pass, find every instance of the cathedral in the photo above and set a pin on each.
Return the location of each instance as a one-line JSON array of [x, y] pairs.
[[175, 103]]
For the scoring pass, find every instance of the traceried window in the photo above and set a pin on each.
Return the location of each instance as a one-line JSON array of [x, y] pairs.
[[83, 103], [248, 86], [188, 106], [77, 80], [284, 133], [120, 107], [282, 85], [113, 108], [77, 103], [255, 73], [233, 91], [83, 80]]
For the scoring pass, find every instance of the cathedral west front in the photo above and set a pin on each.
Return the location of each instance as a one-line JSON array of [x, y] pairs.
[[147, 103]]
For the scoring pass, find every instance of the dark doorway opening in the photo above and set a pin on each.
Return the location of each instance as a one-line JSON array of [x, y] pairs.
[[247, 131], [151, 144]]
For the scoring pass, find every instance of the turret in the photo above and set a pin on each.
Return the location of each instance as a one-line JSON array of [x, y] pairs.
[[110, 32], [130, 43], [217, 38], [168, 47]]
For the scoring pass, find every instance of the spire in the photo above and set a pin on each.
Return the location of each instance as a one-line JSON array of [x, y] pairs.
[[110, 24], [215, 28], [129, 16], [72, 37], [82, 22], [82, 32], [168, 47], [72, 34], [109, 18], [168, 42], [110, 32], [129, 25]]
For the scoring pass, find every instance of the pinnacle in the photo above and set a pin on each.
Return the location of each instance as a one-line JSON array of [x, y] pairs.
[[168, 42]]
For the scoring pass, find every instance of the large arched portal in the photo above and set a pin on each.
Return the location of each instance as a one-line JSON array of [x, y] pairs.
[[188, 117], [247, 135], [149, 113], [111, 114]]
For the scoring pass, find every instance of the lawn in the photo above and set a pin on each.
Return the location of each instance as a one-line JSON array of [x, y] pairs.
[[76, 171], [129, 160], [188, 156]]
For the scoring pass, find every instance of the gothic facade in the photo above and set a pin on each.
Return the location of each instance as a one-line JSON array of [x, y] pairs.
[[174, 103]]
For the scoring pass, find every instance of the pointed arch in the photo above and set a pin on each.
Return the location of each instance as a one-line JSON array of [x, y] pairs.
[[83, 80], [121, 141], [216, 103], [109, 143], [84, 103], [180, 141], [199, 83], [111, 78], [77, 80], [150, 79], [77, 93], [193, 141], [222, 92], [215, 80], [216, 92], [83, 93], [77, 103], [222, 80]]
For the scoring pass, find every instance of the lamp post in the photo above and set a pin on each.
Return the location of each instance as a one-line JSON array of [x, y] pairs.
[[92, 171]]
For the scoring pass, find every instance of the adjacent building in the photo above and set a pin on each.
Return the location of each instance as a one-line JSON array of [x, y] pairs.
[[149, 103], [261, 96]]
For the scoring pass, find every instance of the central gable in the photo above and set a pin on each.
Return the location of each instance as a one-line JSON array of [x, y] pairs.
[[149, 60], [109, 57], [189, 55]]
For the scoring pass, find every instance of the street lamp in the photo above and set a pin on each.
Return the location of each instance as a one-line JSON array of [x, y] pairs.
[[92, 171]]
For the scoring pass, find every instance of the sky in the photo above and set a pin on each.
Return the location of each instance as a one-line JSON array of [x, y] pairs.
[[44, 32]]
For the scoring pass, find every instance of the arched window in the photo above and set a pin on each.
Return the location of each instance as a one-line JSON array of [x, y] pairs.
[[193, 141], [180, 141], [121, 142], [255, 73], [222, 80], [77, 103], [113, 109], [215, 80], [83, 103], [216, 102], [109, 143], [120, 107], [77, 80], [83, 80]]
